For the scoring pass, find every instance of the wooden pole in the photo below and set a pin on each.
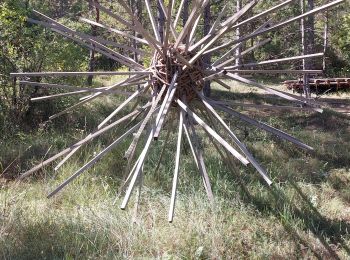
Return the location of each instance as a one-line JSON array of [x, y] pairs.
[[87, 41], [178, 13], [264, 126], [138, 166], [137, 27], [243, 148], [193, 16], [78, 73], [279, 93], [232, 50], [153, 21], [101, 25], [130, 152], [80, 143], [211, 132], [277, 26], [176, 170], [227, 24], [239, 71], [166, 140], [92, 97], [92, 161], [121, 106], [253, 64], [240, 54], [165, 106], [198, 154]]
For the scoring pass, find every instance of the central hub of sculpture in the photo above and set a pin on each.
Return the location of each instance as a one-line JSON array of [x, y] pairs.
[[190, 76]]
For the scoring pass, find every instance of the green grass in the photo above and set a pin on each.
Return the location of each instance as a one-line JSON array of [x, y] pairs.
[[304, 214]]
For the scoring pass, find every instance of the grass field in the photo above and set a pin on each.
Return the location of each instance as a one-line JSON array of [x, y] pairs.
[[304, 214]]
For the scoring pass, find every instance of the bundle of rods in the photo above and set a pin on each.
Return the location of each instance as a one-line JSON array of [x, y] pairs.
[[188, 82]]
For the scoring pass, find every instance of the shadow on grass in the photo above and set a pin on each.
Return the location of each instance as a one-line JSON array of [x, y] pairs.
[[322, 228], [49, 240], [329, 232], [295, 218]]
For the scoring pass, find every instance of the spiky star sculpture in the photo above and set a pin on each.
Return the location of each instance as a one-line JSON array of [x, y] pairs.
[[173, 83]]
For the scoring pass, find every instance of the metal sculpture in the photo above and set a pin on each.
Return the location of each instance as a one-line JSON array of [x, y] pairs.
[[173, 83]]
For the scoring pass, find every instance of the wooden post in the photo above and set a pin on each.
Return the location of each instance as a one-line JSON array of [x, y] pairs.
[[176, 170]]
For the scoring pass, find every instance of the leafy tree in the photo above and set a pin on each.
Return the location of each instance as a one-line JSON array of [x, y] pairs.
[[29, 48]]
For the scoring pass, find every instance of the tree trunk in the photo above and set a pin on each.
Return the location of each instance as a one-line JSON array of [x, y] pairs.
[[136, 7], [308, 41], [63, 7], [310, 32], [238, 35], [325, 42], [91, 66], [207, 57], [161, 21], [185, 12]]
